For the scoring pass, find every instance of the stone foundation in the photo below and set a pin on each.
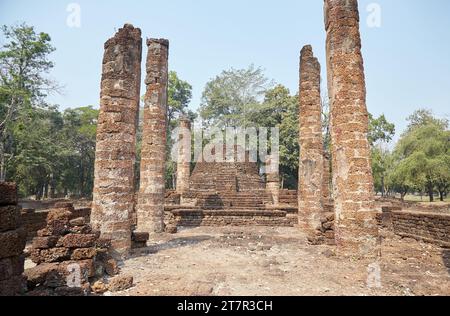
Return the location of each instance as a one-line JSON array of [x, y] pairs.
[[429, 227], [234, 217]]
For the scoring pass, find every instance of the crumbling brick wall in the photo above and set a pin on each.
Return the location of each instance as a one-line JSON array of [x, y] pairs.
[[220, 218], [150, 208], [35, 220], [113, 197], [12, 242], [356, 228], [424, 226], [69, 256]]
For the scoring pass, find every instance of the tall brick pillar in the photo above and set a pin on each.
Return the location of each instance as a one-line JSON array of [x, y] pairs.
[[184, 156], [356, 229], [150, 210], [273, 178], [113, 201], [326, 182], [311, 143]]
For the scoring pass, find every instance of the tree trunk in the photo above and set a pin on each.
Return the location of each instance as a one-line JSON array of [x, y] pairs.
[[442, 195], [403, 194], [431, 195], [46, 191], [2, 165]]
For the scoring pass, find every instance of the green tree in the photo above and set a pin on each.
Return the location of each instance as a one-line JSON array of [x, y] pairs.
[[79, 137], [38, 153], [229, 98], [382, 162], [280, 109], [179, 97], [423, 153], [380, 130], [424, 117], [23, 86]]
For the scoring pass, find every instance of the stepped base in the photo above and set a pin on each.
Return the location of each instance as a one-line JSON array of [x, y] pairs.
[[190, 217]]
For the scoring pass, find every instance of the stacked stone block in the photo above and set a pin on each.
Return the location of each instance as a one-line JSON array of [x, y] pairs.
[[113, 202], [150, 209], [311, 143], [324, 233], [12, 242], [356, 228], [69, 255]]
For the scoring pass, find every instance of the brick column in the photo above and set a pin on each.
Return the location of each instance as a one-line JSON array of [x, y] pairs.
[[356, 229], [273, 179], [113, 201], [326, 182], [184, 156], [311, 143], [150, 210]]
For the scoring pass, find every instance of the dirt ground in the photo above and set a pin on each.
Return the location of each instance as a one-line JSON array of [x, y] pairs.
[[262, 261]]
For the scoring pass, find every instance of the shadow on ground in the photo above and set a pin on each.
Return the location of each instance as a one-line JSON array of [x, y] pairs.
[[171, 244]]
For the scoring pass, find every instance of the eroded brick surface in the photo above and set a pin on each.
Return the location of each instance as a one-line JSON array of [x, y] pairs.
[[13, 237], [150, 209], [273, 178], [356, 229], [311, 143], [184, 157], [113, 201]]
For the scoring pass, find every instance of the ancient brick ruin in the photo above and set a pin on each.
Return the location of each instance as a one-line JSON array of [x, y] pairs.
[[150, 207], [13, 237], [113, 202], [184, 156], [230, 192], [311, 165], [334, 203], [355, 224], [70, 258]]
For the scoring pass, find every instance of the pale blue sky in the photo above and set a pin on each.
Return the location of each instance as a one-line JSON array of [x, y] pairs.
[[407, 60]]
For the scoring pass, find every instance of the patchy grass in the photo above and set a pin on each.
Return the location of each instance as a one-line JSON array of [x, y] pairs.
[[425, 199]]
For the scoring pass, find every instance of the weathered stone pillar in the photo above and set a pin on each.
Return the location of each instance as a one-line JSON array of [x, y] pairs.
[[273, 178], [113, 200], [150, 210], [326, 182], [356, 229], [311, 143], [184, 156]]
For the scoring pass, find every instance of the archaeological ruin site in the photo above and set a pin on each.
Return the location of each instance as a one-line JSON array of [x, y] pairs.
[[226, 229]]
